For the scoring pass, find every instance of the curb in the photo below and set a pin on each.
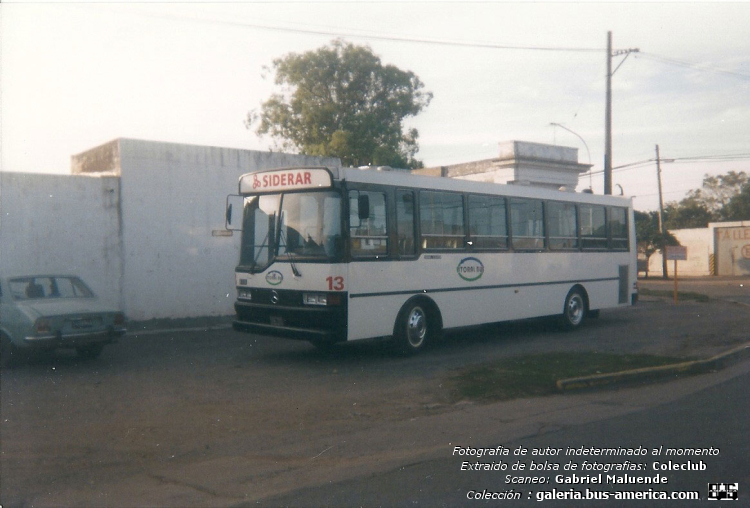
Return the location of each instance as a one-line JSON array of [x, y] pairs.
[[737, 302], [160, 331], [627, 376]]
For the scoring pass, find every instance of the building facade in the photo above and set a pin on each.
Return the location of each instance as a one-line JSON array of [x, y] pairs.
[[521, 163], [722, 248]]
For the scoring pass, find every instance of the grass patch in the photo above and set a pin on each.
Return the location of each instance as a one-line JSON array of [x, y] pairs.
[[681, 295], [534, 375]]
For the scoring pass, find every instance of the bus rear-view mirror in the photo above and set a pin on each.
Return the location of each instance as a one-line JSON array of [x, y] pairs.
[[233, 216]]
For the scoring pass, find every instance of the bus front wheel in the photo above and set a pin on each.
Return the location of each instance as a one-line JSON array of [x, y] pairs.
[[412, 329], [574, 310]]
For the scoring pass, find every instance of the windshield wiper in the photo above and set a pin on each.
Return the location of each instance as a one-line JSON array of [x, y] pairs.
[[264, 244], [283, 238]]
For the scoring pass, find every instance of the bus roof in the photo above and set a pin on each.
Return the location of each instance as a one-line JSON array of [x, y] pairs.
[[402, 178]]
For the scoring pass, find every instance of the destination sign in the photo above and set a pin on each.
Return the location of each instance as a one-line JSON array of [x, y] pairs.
[[285, 180]]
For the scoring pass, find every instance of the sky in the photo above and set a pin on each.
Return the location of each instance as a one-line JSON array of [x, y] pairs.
[[77, 75]]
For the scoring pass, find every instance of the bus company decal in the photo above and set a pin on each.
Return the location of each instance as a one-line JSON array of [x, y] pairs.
[[288, 179], [274, 278], [285, 180], [470, 269]]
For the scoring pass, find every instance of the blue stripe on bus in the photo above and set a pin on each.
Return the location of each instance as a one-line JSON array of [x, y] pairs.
[[474, 288]]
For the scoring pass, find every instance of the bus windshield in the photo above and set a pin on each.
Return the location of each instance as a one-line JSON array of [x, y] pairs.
[[298, 226]]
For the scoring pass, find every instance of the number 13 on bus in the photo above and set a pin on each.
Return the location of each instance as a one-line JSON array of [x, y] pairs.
[[332, 255]]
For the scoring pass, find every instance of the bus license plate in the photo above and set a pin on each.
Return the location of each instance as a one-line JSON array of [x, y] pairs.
[[277, 321]]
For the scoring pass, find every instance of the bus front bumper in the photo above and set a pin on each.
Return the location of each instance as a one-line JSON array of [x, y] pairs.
[[288, 332], [312, 323]]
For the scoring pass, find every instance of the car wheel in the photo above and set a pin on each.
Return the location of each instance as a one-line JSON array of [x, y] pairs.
[[90, 352], [412, 329], [574, 310], [9, 353]]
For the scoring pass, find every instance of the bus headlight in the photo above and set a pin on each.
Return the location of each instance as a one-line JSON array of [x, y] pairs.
[[244, 294], [314, 298]]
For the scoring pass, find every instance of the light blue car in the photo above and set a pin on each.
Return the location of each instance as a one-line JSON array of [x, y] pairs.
[[44, 312]]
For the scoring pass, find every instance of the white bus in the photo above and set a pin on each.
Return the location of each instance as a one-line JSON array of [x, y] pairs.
[[341, 254]]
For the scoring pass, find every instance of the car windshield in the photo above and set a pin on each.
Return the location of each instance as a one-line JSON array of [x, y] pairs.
[[299, 226], [43, 287]]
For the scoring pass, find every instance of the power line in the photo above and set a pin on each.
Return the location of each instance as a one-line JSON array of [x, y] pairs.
[[676, 160], [664, 193], [372, 36], [624, 167], [693, 66], [439, 42], [738, 156]]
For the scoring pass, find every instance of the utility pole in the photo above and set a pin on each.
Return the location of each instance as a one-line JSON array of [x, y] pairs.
[[662, 230], [608, 122], [608, 110]]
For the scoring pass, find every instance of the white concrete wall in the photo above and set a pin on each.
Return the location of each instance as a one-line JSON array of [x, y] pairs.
[[527, 149], [701, 245], [142, 240], [732, 245], [62, 224], [173, 199]]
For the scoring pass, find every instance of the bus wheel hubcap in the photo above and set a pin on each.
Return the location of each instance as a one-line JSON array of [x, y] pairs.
[[575, 309], [416, 327]]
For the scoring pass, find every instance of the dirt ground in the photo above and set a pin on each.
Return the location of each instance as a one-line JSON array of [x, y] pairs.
[[216, 418]]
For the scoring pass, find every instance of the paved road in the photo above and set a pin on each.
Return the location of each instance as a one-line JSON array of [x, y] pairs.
[[715, 417], [218, 418]]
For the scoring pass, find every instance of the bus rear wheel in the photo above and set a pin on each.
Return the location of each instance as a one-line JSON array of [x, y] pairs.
[[412, 329], [574, 310]]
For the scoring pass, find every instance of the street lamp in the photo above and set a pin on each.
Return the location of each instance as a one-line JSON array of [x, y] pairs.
[[555, 124]]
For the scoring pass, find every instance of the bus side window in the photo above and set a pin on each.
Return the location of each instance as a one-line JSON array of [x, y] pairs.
[[562, 224], [405, 223], [369, 235], [618, 226], [487, 223], [441, 216], [527, 222], [593, 227]]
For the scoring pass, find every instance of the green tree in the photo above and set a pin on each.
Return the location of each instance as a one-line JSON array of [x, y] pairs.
[[688, 213], [718, 191], [738, 208], [648, 237], [709, 203], [341, 101]]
